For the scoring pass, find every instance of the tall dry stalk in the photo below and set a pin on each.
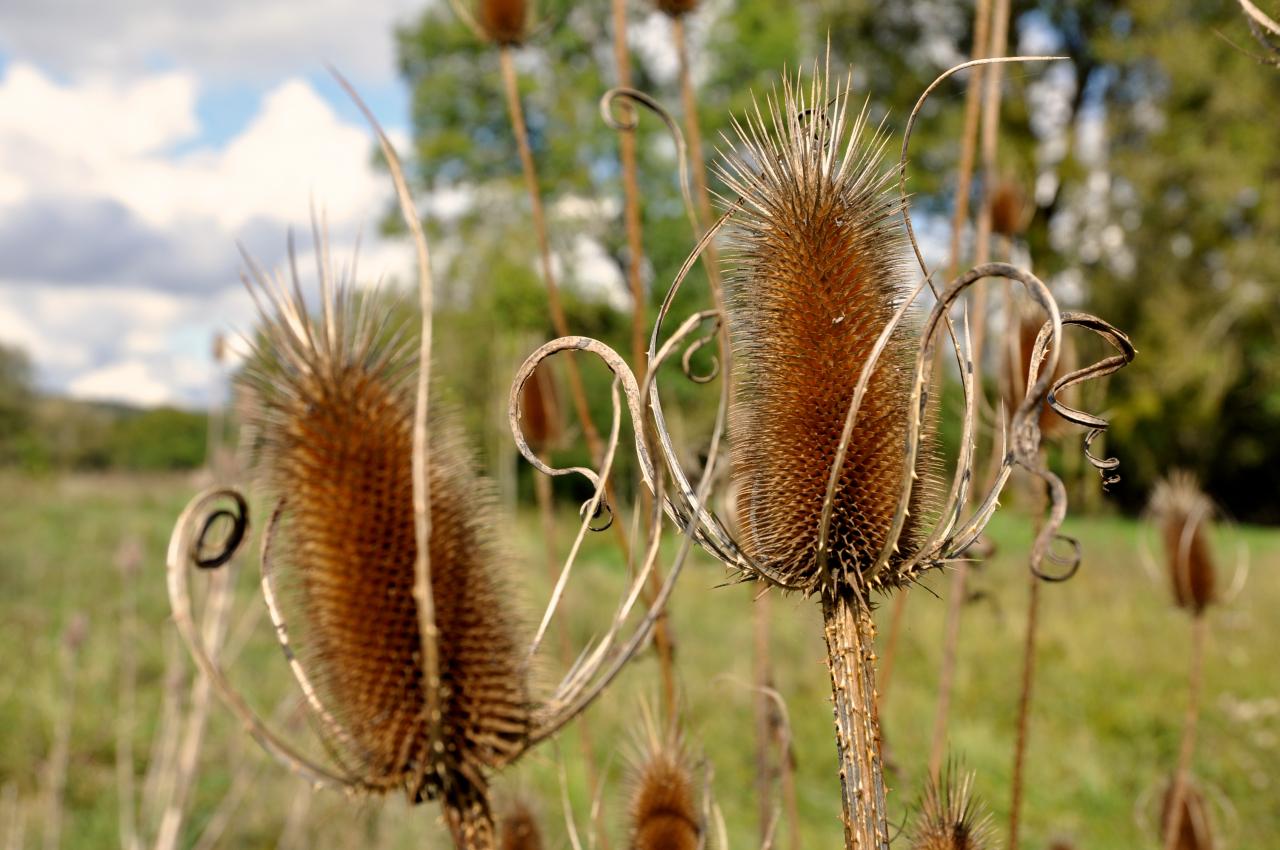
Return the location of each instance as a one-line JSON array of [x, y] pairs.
[[55, 779], [129, 563]]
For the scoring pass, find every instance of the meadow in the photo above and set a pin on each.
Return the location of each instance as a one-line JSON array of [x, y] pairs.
[[1106, 720]]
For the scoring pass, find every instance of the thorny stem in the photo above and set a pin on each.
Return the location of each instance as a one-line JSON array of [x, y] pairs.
[[1024, 711], [639, 342], [850, 634], [470, 818], [1195, 682]]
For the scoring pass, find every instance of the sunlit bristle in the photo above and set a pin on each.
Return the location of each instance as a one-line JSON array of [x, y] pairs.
[[1194, 827], [518, 828], [334, 418], [1183, 514], [819, 269], [504, 22], [675, 8], [664, 809], [950, 817]]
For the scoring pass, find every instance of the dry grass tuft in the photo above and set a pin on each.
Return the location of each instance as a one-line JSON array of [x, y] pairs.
[[951, 818], [1194, 828], [504, 22], [335, 419], [664, 808], [518, 828], [1183, 514], [819, 273]]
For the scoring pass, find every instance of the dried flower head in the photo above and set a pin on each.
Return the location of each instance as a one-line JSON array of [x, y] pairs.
[[664, 810], [518, 828], [335, 408], [1010, 211], [1030, 322], [675, 8], [540, 409], [950, 816], [1183, 514], [504, 22], [819, 273], [1194, 828]]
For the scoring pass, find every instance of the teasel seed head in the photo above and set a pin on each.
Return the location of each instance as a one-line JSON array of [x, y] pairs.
[[1183, 513], [540, 410], [1009, 208], [1030, 320], [335, 410], [676, 8], [664, 808], [518, 828], [1194, 830], [819, 271], [504, 22], [951, 818]]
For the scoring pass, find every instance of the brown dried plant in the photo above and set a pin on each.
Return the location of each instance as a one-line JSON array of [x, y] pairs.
[[1183, 514], [504, 21], [663, 812], [829, 375], [1192, 826], [518, 828], [676, 8], [951, 818]]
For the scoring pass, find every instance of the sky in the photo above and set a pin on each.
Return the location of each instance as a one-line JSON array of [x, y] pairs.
[[141, 141]]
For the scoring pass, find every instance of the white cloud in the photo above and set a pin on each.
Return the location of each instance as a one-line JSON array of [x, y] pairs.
[[129, 381], [229, 39]]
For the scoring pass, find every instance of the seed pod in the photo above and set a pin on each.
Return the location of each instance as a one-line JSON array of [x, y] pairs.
[[1194, 830], [335, 408], [518, 829], [1183, 514], [950, 816], [504, 22], [819, 271], [664, 810], [675, 8]]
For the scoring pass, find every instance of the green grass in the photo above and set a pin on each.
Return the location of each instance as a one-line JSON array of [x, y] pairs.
[[1108, 702]]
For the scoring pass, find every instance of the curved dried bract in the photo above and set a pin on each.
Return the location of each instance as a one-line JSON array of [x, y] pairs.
[[819, 274], [951, 818], [335, 400], [1183, 513]]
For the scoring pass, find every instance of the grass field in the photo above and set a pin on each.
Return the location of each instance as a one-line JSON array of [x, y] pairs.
[[1108, 704]]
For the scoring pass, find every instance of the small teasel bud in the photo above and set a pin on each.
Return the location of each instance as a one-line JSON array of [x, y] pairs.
[[664, 808], [818, 271], [950, 816], [504, 22], [334, 413], [1183, 513]]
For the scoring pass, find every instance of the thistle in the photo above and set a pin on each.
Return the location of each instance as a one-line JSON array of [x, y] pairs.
[[335, 397], [664, 810], [950, 816], [1183, 514]]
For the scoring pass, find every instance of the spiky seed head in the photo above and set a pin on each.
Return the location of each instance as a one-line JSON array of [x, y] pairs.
[[951, 818], [1194, 829], [504, 22], [540, 410], [676, 8], [518, 829], [664, 808], [334, 417], [819, 270], [1009, 208], [1183, 513]]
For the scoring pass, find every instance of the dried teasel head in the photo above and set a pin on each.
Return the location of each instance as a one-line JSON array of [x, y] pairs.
[[818, 274], [1018, 367], [518, 828], [664, 809], [504, 22], [950, 816], [1183, 513], [335, 411], [676, 8], [1010, 210], [1194, 827], [540, 410]]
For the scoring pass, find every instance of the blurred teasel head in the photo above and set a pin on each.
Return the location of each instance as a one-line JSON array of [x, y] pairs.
[[819, 270], [1183, 514], [676, 8], [664, 808], [335, 401], [518, 828], [1193, 829], [504, 22], [950, 816], [1010, 209]]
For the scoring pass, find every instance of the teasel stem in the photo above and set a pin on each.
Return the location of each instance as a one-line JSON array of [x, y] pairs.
[[60, 754], [1195, 682], [850, 634], [959, 218], [128, 560], [765, 738], [998, 24], [1024, 712], [639, 335]]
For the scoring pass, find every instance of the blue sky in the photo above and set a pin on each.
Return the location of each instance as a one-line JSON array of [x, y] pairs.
[[139, 141]]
